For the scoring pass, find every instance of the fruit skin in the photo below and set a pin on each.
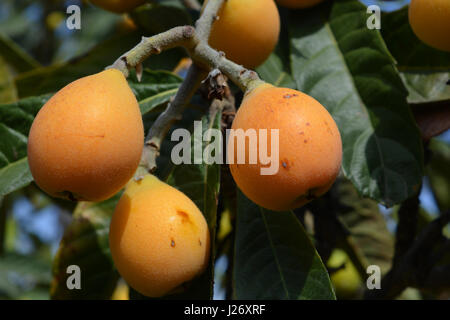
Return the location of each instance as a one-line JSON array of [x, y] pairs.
[[346, 280], [298, 4], [86, 141], [118, 6], [247, 31], [158, 237], [310, 148], [430, 21]]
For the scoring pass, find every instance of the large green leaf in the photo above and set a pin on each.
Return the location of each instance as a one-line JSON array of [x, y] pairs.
[[85, 244], [274, 257], [345, 66]]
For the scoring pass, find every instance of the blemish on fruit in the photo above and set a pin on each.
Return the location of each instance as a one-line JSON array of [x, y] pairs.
[[301, 133], [285, 164], [308, 124], [184, 216], [305, 141], [288, 95], [68, 195], [172, 243], [199, 242]]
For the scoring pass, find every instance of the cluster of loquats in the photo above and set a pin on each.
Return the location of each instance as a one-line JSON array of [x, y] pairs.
[[86, 144]]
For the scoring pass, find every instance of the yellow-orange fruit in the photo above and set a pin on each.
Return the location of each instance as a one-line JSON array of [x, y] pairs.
[[247, 31], [118, 6], [86, 141], [298, 4], [309, 148], [158, 237], [430, 21]]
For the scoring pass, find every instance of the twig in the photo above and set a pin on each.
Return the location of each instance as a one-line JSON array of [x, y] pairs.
[[173, 113], [204, 23], [414, 269], [195, 42], [176, 37]]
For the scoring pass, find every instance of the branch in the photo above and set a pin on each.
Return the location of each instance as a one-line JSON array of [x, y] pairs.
[[176, 37], [414, 269], [209, 15], [173, 113], [195, 41]]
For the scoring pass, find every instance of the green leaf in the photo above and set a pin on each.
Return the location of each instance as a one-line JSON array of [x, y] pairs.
[[16, 56], [346, 67], [426, 87], [8, 92], [15, 122], [407, 49], [156, 88], [369, 236], [274, 257], [85, 243], [275, 70], [14, 176]]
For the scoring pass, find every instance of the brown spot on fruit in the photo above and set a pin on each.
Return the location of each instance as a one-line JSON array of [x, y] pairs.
[[142, 269], [184, 216], [285, 164]]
